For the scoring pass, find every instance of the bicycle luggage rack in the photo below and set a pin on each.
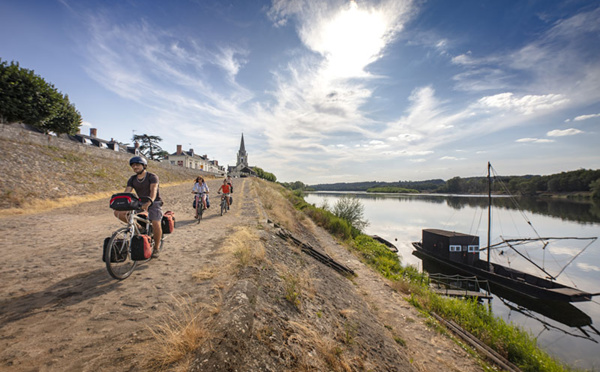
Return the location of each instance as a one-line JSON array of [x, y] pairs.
[[323, 258]]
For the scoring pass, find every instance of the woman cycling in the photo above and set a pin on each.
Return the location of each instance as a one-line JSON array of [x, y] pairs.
[[202, 188]]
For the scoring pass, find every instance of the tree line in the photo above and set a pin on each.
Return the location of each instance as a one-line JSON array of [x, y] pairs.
[[582, 180], [27, 98]]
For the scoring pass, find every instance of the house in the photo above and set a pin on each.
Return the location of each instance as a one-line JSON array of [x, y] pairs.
[[93, 140], [188, 159]]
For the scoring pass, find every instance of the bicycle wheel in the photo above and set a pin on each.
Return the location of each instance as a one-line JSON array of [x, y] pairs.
[[117, 257], [200, 210], [223, 206]]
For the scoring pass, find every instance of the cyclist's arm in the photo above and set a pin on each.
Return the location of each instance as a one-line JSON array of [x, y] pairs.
[[128, 189], [152, 196]]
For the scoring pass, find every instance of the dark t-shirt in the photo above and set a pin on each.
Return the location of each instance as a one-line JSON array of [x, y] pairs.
[[143, 188]]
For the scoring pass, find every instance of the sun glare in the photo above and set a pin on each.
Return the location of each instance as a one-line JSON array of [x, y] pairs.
[[352, 40]]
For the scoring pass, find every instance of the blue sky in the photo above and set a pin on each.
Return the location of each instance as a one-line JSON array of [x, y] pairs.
[[330, 91]]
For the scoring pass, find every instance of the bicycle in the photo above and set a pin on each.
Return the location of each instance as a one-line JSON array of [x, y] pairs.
[[224, 206], [199, 205], [117, 254]]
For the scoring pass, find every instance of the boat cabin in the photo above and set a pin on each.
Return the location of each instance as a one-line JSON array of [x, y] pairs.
[[451, 245]]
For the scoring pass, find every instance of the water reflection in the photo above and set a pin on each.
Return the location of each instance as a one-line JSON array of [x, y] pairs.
[[540, 311], [401, 218], [568, 210]]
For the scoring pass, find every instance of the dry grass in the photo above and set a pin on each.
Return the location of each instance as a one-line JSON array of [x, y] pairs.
[[39, 205], [246, 247], [328, 355], [276, 205], [177, 338], [43, 205], [406, 287]]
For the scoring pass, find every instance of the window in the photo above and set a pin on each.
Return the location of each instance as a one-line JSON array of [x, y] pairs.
[[473, 248], [455, 248]]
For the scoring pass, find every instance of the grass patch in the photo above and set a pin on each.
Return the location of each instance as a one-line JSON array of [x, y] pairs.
[[178, 338], [516, 345], [245, 246]]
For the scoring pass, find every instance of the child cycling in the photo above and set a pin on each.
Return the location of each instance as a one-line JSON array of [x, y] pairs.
[[226, 189]]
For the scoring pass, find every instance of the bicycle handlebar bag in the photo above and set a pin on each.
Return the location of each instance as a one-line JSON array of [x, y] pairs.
[[125, 201]]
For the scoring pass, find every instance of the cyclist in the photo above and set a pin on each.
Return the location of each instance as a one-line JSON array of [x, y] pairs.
[[226, 188], [201, 187], [230, 182], [145, 184]]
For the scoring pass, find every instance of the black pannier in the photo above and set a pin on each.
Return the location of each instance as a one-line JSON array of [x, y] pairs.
[[125, 201], [118, 255]]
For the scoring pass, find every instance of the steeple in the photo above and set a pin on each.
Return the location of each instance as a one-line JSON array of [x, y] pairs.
[[242, 157]]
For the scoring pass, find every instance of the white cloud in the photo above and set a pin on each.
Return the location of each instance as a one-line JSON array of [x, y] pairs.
[[586, 117], [584, 266], [534, 140], [565, 132], [450, 158], [526, 105]]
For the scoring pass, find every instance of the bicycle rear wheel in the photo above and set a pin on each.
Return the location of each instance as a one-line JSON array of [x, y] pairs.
[[117, 257]]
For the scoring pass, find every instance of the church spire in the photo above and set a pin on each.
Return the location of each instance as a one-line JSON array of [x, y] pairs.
[[242, 157]]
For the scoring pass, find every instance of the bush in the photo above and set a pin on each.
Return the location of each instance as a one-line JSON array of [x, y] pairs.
[[351, 210]]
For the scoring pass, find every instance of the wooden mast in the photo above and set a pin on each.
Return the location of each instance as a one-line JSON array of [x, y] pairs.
[[489, 213]]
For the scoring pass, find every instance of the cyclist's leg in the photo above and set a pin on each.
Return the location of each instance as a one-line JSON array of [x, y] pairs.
[[204, 201], [122, 215], [155, 217]]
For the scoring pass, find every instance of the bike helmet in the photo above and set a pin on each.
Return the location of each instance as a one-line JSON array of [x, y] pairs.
[[138, 160]]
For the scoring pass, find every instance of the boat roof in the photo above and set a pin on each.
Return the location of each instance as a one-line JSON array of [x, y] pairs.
[[446, 232]]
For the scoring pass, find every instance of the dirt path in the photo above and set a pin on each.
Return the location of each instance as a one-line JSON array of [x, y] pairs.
[[61, 311]]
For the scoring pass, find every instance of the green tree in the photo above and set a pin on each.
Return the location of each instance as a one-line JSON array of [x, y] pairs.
[[265, 175], [149, 146], [595, 188], [26, 97], [351, 210]]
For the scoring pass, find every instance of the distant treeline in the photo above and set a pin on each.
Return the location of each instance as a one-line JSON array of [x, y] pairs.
[[581, 180], [421, 186]]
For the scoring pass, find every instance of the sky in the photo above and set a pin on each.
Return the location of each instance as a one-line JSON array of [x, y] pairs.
[[329, 91]]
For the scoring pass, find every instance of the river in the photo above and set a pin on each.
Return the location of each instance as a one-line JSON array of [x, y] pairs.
[[570, 332]]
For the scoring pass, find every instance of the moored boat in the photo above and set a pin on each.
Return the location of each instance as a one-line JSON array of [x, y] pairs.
[[461, 252]]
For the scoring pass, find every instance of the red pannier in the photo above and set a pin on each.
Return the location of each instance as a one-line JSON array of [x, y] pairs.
[[168, 222], [125, 201], [141, 247]]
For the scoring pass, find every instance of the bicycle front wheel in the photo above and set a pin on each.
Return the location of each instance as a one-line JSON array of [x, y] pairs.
[[118, 255], [223, 206]]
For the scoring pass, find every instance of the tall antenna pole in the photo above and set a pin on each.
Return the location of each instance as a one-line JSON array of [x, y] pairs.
[[489, 211]]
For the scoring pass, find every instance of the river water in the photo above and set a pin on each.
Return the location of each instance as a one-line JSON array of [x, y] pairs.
[[569, 332]]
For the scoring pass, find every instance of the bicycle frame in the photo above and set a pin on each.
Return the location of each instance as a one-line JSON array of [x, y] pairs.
[[199, 204]]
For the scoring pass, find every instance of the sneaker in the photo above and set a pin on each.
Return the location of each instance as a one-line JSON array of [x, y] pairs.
[[155, 254]]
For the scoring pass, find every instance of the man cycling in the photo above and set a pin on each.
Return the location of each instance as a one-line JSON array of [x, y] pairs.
[[226, 188], [145, 184]]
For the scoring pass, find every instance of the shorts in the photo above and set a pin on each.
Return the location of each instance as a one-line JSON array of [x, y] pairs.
[[155, 211]]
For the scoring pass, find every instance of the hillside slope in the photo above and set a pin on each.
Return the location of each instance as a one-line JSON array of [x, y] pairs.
[[38, 172], [228, 294]]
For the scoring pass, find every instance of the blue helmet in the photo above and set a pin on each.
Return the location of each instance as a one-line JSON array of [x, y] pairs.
[[138, 160]]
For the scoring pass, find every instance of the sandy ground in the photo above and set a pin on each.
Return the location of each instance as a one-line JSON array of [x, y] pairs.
[[59, 308], [61, 311]]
